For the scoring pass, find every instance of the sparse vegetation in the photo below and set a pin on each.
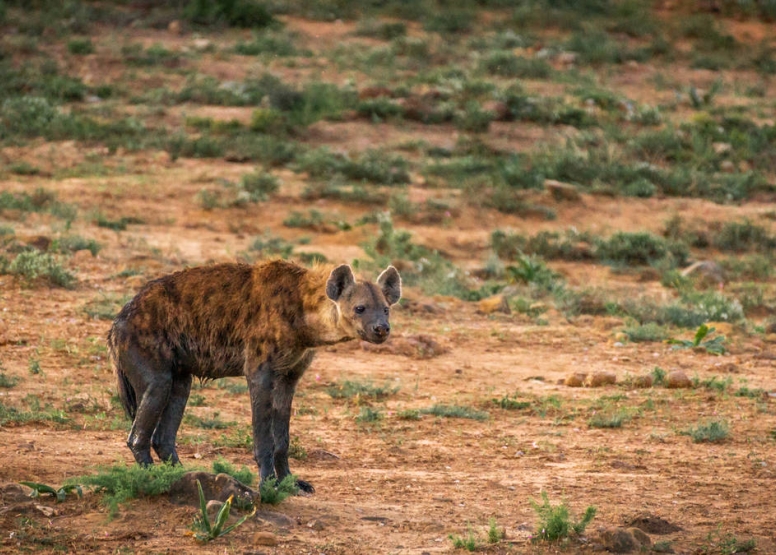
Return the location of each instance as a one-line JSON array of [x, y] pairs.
[[714, 431]]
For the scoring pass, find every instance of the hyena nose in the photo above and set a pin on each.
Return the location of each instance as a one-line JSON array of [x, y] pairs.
[[382, 329]]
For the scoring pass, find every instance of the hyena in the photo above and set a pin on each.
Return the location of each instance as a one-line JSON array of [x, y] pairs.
[[262, 322]]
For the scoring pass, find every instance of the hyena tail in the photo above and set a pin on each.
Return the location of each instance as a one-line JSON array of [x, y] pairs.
[[126, 391]]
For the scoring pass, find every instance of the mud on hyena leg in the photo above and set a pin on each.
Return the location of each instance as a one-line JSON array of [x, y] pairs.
[[163, 440]]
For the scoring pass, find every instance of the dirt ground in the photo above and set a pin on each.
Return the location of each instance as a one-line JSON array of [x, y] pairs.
[[395, 485]]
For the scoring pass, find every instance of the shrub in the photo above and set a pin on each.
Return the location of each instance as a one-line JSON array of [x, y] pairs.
[[120, 483], [714, 431], [640, 248], [34, 265], [234, 13], [80, 47], [555, 520], [244, 475], [456, 411], [506, 64]]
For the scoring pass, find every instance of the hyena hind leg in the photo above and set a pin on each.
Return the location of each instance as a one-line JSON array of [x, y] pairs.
[[152, 384], [163, 439]]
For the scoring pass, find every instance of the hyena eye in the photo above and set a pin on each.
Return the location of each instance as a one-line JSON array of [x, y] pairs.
[[360, 309], [387, 310]]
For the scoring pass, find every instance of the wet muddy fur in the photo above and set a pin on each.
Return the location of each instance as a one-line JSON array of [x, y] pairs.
[[262, 322]]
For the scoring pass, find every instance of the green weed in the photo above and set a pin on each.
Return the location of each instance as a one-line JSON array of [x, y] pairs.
[[555, 521], [354, 390], [714, 431], [715, 346], [204, 531], [59, 493], [609, 419], [456, 411], [469, 543], [7, 381], [32, 266], [649, 332], [369, 415], [273, 493], [243, 475], [121, 483]]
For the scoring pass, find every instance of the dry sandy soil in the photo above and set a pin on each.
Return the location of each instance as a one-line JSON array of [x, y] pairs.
[[394, 485]]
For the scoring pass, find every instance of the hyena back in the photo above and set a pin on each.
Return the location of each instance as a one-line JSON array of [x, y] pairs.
[[262, 322]]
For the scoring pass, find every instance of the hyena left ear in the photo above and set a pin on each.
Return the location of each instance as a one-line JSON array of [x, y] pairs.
[[390, 283], [340, 279]]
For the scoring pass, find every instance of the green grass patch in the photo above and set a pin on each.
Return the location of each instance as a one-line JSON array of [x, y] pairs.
[[243, 475], [353, 389], [456, 411], [121, 483], [715, 431], [555, 521]]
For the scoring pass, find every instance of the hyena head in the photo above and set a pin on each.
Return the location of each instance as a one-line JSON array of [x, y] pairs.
[[364, 307]]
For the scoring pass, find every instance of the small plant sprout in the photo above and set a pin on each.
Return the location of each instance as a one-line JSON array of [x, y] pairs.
[[714, 346], [204, 530], [60, 493]]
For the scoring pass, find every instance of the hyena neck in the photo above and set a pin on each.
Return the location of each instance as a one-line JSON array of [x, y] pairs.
[[322, 316]]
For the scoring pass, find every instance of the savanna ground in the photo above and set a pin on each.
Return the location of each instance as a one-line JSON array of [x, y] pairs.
[[542, 172]]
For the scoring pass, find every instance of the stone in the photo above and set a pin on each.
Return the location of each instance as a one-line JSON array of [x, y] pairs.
[[727, 166], [677, 379], [600, 379], [653, 524], [644, 381], [265, 538], [619, 540], [577, 379], [174, 27], [217, 487], [562, 191], [496, 303]]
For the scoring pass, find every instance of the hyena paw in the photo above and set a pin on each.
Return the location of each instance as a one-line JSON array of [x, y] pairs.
[[305, 487]]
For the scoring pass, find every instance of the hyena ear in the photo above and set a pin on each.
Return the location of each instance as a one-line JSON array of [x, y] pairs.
[[390, 283], [340, 279]]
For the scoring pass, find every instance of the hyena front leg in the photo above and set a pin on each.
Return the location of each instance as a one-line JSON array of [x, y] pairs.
[[282, 397], [260, 388]]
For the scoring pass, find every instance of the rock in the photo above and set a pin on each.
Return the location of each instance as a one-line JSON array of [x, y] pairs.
[[721, 148], [677, 380], [652, 524], [215, 487], [727, 166], [496, 303], [316, 525], [265, 538], [640, 537], [174, 27], [619, 540], [576, 379], [562, 191], [213, 507], [14, 493], [47, 511], [600, 379], [644, 381]]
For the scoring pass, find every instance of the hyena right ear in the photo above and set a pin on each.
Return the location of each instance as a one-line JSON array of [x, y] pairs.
[[340, 279], [390, 283]]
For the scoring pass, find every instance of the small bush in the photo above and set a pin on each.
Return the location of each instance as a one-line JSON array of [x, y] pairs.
[[368, 415], [120, 483], [456, 411], [715, 431], [555, 520], [34, 265], [649, 332], [506, 64], [351, 389], [80, 47], [273, 493], [640, 249]]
